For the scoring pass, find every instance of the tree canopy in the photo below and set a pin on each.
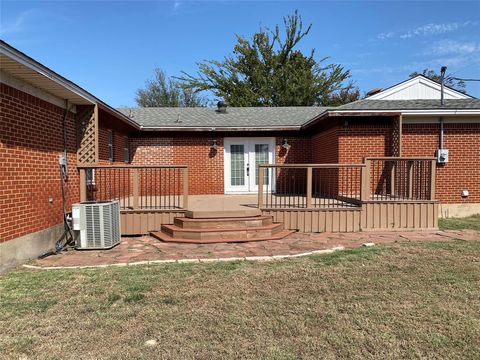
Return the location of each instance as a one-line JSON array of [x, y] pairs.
[[458, 85], [268, 70], [162, 91]]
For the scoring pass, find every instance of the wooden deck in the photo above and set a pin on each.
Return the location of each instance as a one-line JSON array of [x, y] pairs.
[[380, 194]]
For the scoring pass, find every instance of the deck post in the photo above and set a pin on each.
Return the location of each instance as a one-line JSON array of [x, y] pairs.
[[185, 188], [309, 187], [433, 169], [261, 172], [365, 185], [410, 179], [83, 184], [135, 188]]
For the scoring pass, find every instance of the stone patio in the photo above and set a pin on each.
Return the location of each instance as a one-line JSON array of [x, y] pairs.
[[145, 248]]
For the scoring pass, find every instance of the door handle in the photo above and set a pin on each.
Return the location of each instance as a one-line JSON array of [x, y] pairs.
[[248, 169]]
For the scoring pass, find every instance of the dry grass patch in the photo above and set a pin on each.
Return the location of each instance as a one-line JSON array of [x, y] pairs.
[[410, 300]]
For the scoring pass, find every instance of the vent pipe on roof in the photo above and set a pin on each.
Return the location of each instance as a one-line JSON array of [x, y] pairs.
[[442, 78], [222, 107]]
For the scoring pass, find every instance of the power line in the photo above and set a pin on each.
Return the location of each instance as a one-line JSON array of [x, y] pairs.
[[455, 78]]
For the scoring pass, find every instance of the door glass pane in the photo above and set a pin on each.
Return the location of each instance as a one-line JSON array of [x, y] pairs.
[[237, 165], [261, 157]]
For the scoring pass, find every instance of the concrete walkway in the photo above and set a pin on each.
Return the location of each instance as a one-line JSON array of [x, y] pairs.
[[147, 249]]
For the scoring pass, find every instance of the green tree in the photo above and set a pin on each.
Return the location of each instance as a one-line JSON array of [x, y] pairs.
[[162, 91], [268, 70], [458, 85]]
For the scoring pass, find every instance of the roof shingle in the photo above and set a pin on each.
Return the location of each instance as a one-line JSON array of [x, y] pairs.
[[274, 117], [235, 117], [450, 104]]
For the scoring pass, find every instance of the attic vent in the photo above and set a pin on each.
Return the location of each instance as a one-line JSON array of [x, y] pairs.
[[374, 91]]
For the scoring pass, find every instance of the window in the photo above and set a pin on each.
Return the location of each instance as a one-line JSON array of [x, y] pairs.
[[90, 175], [110, 145], [126, 150]]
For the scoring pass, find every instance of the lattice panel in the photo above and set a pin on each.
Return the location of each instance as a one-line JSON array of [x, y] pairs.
[[86, 135], [396, 136]]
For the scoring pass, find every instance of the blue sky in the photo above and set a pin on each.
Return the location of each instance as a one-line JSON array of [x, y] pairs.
[[110, 48]]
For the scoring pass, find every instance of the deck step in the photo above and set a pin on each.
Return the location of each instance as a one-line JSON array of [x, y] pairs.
[[222, 234], [221, 229], [167, 238], [219, 214], [222, 223]]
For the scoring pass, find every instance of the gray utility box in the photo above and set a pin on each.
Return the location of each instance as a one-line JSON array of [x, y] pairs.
[[97, 224], [442, 156]]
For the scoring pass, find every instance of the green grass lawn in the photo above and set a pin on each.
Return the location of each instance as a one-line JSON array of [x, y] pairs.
[[407, 300], [470, 222]]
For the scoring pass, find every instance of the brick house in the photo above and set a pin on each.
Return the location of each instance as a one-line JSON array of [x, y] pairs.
[[43, 115]]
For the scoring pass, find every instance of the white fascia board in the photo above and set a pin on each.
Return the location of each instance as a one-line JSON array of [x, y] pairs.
[[21, 59], [412, 82], [219, 129], [417, 112]]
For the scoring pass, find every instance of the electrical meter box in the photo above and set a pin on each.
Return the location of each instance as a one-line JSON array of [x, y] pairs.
[[442, 156]]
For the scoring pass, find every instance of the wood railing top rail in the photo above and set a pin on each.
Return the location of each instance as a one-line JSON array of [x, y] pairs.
[[319, 166], [119, 166], [402, 158]]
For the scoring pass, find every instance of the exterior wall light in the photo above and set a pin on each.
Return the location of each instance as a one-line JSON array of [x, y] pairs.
[[285, 144], [214, 145]]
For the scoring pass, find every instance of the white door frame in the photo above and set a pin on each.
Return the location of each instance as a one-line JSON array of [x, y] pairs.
[[249, 143]]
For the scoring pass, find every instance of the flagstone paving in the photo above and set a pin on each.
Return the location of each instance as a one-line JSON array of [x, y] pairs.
[[146, 248]]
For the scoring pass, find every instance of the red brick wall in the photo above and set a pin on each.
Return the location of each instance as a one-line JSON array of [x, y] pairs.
[[325, 146], [118, 145], [204, 165], [206, 171], [31, 139], [463, 169], [299, 152], [358, 140]]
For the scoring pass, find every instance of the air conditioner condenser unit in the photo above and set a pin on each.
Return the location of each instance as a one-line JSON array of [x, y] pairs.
[[97, 224]]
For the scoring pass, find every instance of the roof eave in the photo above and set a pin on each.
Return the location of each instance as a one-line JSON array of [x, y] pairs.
[[221, 129], [41, 69]]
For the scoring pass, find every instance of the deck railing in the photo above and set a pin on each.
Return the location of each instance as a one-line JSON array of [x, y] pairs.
[[339, 186], [309, 186], [136, 187], [400, 179]]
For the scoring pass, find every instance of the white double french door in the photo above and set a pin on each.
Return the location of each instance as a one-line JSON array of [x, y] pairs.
[[242, 157]]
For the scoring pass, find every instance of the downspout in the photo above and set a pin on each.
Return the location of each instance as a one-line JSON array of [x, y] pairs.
[[442, 103], [65, 114], [67, 236], [441, 132]]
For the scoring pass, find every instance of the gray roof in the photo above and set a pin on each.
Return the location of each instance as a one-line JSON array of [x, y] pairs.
[[235, 117], [450, 104], [273, 117]]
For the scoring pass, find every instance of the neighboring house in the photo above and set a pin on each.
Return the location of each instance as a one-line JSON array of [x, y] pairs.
[[44, 115]]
